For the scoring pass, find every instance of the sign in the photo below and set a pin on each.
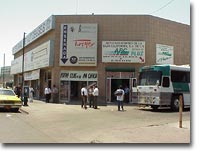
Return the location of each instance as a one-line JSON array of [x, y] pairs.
[[123, 51], [78, 45], [164, 54], [78, 76], [33, 75], [39, 57], [43, 28]]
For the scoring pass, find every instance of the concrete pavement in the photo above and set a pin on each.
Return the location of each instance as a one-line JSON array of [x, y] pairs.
[[72, 124]]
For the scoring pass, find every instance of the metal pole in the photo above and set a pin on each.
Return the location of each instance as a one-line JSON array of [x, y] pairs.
[[25, 99], [180, 110]]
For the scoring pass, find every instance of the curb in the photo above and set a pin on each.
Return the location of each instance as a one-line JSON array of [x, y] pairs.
[[23, 111]]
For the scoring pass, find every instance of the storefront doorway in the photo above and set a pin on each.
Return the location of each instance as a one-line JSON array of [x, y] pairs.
[[71, 83], [75, 88], [113, 84]]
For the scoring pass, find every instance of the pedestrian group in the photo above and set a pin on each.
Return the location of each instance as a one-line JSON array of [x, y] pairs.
[[89, 95]]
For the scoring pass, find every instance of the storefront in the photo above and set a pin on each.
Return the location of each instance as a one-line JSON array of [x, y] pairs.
[[116, 76], [71, 83]]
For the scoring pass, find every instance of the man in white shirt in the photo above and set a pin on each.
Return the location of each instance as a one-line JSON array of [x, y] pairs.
[[47, 92], [84, 95], [120, 97], [95, 94]]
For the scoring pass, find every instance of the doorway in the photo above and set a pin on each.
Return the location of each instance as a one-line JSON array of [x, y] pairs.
[[115, 83], [75, 90]]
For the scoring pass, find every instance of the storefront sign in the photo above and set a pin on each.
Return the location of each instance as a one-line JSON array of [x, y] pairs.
[[78, 45], [164, 54], [78, 76], [34, 75], [43, 28], [39, 57], [123, 51]]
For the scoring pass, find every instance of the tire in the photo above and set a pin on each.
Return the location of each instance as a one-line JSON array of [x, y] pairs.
[[16, 110], [175, 103], [155, 108]]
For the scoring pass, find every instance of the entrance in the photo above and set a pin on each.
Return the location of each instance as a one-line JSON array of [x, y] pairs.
[[113, 84], [75, 91]]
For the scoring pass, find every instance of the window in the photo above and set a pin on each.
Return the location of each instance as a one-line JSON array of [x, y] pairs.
[[180, 76], [165, 82], [150, 77]]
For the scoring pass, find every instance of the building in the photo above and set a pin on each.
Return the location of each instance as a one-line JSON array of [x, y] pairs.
[[107, 50]]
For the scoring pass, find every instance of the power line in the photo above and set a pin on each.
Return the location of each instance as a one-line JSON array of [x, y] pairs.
[[162, 7]]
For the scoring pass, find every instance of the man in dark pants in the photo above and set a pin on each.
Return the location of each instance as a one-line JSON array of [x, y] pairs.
[[120, 97], [84, 95], [91, 96], [96, 94]]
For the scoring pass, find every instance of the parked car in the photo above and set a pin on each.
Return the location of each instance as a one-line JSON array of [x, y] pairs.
[[9, 100]]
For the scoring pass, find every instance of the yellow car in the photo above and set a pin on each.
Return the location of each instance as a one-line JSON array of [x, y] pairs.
[[8, 100]]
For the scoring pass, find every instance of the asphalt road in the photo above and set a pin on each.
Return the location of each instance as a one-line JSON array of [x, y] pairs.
[[59, 123]]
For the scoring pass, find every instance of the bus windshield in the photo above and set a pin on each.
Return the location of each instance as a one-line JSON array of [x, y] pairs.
[[150, 78]]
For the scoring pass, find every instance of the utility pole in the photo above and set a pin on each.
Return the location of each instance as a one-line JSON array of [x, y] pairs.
[[25, 98]]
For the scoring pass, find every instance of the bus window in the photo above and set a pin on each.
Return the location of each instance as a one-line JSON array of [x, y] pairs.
[[165, 82], [180, 76]]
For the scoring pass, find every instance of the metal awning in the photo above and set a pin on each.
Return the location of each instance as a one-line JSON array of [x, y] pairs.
[[119, 69]]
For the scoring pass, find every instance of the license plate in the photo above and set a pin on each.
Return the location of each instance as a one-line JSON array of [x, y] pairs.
[[7, 107]]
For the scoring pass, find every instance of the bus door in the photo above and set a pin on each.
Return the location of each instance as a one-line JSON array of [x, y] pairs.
[[134, 93]]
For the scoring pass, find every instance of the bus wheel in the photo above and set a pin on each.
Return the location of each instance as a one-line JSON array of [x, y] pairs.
[[155, 108], [175, 104]]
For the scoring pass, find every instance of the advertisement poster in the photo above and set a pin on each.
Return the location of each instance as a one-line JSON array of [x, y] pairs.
[[78, 45], [123, 51], [164, 54]]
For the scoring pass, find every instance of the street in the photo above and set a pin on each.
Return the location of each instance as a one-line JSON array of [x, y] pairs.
[[42, 122]]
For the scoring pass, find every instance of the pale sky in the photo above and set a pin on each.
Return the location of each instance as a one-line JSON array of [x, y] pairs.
[[19, 16]]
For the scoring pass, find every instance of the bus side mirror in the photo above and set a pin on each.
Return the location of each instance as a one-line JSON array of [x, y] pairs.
[[165, 82]]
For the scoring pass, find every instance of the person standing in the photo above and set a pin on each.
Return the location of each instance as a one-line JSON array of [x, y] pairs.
[[55, 94], [84, 95], [126, 94], [47, 92], [90, 96], [120, 97], [95, 94], [31, 92]]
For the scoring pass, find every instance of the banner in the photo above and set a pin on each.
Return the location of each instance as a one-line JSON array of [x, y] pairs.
[[123, 51], [78, 45]]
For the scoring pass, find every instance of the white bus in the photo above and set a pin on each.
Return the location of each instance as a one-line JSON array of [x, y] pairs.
[[161, 85]]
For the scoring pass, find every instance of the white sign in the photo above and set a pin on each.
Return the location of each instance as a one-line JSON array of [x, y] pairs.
[[43, 28], [33, 75], [37, 58], [123, 51], [164, 54], [78, 45], [78, 76]]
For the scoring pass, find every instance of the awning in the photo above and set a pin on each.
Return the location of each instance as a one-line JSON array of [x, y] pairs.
[[120, 69]]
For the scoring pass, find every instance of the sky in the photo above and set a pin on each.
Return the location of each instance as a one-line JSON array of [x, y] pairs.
[[19, 16]]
